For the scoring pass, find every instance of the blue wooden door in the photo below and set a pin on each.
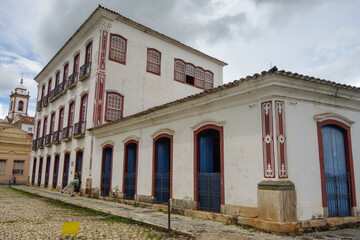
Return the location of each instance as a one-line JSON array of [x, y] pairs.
[[209, 176], [79, 158], [336, 174], [40, 171], [106, 172], [162, 174], [66, 170], [56, 172], [47, 171], [130, 171]]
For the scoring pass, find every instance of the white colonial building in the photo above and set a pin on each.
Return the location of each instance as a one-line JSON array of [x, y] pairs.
[[110, 68], [146, 120]]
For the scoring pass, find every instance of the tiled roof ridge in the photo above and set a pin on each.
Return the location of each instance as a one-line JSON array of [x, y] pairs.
[[128, 19], [273, 70]]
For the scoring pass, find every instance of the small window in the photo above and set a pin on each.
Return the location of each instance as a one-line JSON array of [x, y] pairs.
[[57, 79], [21, 106], [114, 106], [153, 61], [190, 74], [66, 72], [76, 63], [18, 167], [199, 78], [2, 166], [88, 53], [208, 80], [179, 71], [117, 49]]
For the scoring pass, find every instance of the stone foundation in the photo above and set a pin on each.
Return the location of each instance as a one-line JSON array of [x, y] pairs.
[[277, 201], [236, 210]]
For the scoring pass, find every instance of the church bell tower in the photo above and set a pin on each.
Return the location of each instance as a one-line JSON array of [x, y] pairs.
[[19, 101]]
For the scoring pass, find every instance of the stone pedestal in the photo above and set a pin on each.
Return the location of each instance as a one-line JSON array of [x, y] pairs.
[[277, 201]]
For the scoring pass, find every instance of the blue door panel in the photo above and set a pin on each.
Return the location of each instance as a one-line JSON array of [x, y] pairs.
[[162, 175]]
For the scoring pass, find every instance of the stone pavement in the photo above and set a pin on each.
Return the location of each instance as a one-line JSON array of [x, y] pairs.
[[197, 228]]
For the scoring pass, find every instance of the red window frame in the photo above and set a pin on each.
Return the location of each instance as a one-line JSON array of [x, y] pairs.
[[38, 129], [111, 48], [57, 78], [61, 119], [49, 86], [66, 72], [88, 53], [151, 61], [199, 82], [107, 103], [52, 123], [76, 63], [71, 114], [44, 126], [83, 104]]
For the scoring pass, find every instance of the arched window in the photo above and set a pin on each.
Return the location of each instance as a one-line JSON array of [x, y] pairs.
[[76, 63], [88, 53], [57, 78], [114, 106], [83, 108], [117, 49], [52, 123], [49, 86], [209, 80], [71, 114], [190, 74], [44, 127], [153, 61], [61, 119], [179, 70], [199, 77], [66, 72]]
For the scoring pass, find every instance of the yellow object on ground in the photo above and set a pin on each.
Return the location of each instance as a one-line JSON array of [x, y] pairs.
[[70, 228]]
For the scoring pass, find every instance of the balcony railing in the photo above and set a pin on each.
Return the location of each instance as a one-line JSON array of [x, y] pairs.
[[79, 129], [85, 71], [40, 142], [66, 133], [56, 137], [39, 105], [45, 101], [34, 145], [48, 140], [72, 80], [57, 91]]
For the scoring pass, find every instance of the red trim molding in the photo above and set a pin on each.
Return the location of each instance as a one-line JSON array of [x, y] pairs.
[[154, 163], [348, 156], [125, 163], [196, 159], [268, 139], [281, 139]]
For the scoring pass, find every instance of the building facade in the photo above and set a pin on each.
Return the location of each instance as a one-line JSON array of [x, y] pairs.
[[110, 68], [277, 147], [15, 151]]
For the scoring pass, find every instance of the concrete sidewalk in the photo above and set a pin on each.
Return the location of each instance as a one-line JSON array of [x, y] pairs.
[[197, 228]]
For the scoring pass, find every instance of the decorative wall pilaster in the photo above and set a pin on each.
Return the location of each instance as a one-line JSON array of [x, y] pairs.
[[267, 139], [281, 139]]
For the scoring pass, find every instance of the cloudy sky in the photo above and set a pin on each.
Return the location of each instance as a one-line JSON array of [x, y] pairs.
[[319, 38]]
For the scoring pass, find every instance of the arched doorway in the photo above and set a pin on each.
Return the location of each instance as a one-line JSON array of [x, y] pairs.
[[209, 168], [130, 163], [47, 171], [162, 168], [66, 170], [33, 172], [40, 171], [336, 166], [106, 170], [56, 171]]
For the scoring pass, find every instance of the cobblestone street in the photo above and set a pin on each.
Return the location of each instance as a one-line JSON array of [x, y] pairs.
[[26, 216], [23, 216]]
